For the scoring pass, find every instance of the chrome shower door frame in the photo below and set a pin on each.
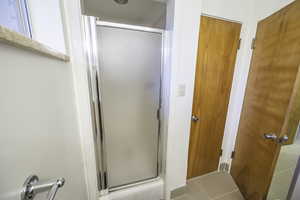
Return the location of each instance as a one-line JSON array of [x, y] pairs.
[[95, 96], [91, 53]]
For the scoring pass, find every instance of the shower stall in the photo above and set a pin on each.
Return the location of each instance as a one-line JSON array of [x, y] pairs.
[[125, 78]]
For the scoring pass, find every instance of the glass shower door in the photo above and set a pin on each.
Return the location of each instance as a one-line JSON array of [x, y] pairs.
[[130, 70]]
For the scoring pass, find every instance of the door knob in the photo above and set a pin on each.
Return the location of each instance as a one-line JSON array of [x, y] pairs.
[[273, 136], [270, 136], [283, 139], [195, 118]]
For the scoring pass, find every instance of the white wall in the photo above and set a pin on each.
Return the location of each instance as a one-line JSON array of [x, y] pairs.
[[182, 36], [265, 8], [75, 39], [47, 24], [44, 112], [39, 127]]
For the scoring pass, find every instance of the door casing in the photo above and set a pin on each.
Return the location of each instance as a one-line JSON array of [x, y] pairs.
[[95, 96], [218, 65]]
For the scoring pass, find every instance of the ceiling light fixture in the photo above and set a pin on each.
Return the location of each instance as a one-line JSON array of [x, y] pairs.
[[121, 1]]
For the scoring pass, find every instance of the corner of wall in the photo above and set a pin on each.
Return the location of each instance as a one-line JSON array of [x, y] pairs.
[[74, 36], [183, 28]]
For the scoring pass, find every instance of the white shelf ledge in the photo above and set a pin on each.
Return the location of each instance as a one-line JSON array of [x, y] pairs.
[[17, 40]]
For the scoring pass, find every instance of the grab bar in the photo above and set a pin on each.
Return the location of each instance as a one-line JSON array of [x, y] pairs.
[[32, 186]]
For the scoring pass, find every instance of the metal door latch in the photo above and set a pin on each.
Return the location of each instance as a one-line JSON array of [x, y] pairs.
[[195, 118], [270, 136]]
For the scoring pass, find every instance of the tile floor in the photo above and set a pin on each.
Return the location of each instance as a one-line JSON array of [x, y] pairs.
[[220, 186], [214, 186], [284, 172]]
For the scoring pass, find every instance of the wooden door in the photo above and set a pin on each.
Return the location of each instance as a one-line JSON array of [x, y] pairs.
[[292, 118], [217, 50], [271, 81]]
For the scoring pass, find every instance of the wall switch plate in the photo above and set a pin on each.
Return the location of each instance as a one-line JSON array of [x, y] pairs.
[[181, 90]]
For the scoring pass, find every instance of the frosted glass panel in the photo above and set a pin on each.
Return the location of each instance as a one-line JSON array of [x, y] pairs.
[[130, 85]]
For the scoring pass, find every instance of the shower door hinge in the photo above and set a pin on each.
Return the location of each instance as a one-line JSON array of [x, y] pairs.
[[105, 180], [232, 155], [240, 41], [158, 114], [100, 186], [102, 177], [253, 43]]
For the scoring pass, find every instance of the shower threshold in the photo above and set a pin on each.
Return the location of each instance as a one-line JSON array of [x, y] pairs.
[[134, 184]]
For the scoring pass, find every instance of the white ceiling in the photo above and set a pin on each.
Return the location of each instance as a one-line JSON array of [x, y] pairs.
[[136, 12]]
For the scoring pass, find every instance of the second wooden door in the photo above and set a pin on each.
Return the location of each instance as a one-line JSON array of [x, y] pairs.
[[217, 50], [269, 106]]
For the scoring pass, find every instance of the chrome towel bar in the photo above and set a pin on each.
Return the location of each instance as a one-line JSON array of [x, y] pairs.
[[32, 186]]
